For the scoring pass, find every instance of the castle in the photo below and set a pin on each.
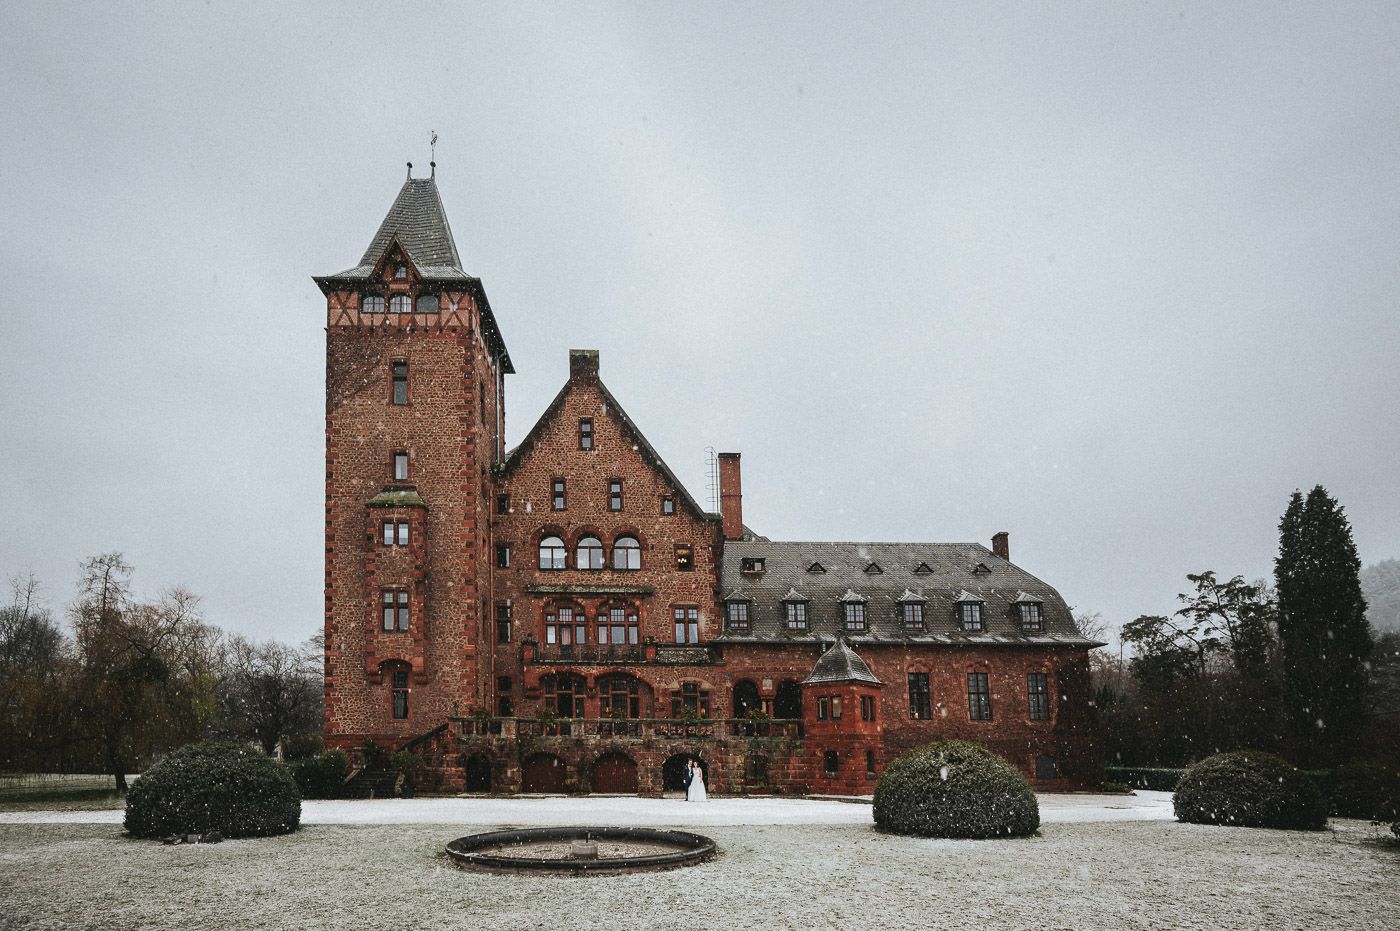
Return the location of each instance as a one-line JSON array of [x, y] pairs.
[[564, 616]]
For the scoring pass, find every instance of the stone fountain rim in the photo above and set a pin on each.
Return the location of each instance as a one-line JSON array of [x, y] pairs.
[[694, 848]]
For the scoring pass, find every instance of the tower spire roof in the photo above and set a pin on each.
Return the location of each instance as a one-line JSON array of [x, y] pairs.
[[418, 220]]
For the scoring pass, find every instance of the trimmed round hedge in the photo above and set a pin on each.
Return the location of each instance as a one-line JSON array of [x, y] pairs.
[[214, 786], [954, 788], [1249, 788]]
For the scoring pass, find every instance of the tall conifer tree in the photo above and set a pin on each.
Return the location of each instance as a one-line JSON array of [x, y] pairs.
[[1323, 632]]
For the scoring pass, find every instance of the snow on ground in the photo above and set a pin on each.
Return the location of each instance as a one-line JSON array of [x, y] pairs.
[[630, 811]]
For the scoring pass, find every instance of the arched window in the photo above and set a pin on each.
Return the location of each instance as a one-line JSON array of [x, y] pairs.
[[617, 625], [427, 303], [564, 626], [627, 553], [619, 696], [400, 304], [372, 304], [553, 554], [563, 694], [589, 554]]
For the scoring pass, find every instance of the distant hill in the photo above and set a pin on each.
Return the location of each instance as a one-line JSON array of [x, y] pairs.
[[1381, 586]]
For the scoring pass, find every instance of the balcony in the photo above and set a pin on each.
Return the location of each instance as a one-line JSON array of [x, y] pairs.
[[638, 729]]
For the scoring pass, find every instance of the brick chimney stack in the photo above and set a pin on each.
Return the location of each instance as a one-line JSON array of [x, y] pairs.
[[583, 363], [1001, 545], [731, 496]]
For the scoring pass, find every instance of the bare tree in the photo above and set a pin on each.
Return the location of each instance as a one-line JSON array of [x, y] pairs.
[[269, 691]]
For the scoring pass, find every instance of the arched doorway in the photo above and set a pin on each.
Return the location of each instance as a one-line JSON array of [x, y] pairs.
[[478, 773], [673, 771], [788, 702], [746, 698], [615, 772], [543, 772]]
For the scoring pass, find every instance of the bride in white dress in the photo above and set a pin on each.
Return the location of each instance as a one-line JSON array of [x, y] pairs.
[[695, 792]]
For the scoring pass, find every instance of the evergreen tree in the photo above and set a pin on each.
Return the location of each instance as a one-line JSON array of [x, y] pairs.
[[1323, 633]]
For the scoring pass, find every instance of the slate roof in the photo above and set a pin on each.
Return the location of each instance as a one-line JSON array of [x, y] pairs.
[[952, 578], [841, 664]]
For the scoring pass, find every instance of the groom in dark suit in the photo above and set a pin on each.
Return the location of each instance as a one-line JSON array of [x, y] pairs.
[[687, 774]]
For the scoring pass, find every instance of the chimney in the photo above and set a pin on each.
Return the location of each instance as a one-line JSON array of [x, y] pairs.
[[731, 497], [583, 363], [1001, 545]]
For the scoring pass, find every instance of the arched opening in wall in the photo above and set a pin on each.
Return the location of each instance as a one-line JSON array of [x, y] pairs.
[[1045, 768], [788, 702], [563, 694], [543, 772], [477, 769], [746, 701], [673, 771], [615, 772]]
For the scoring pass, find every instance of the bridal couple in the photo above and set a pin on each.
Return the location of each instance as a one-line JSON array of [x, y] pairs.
[[694, 778]]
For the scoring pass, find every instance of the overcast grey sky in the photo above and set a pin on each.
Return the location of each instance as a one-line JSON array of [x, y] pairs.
[[1115, 278]]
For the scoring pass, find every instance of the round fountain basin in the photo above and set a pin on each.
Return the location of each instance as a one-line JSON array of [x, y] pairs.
[[580, 850]]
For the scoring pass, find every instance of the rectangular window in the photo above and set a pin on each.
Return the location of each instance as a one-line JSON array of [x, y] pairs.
[[400, 688], [615, 495], [503, 622], [394, 603], [1030, 617], [867, 707], [690, 698], [687, 624], [668, 504], [836, 708], [831, 762], [823, 708], [855, 615], [503, 504], [1038, 695], [685, 557], [396, 533], [505, 707], [971, 612], [400, 466], [565, 627], [737, 615], [585, 433], [560, 498], [796, 612], [979, 697], [912, 616], [502, 555], [400, 378], [920, 703]]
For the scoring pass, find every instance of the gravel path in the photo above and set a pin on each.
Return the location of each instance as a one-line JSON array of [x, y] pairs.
[[629, 811], [1138, 874]]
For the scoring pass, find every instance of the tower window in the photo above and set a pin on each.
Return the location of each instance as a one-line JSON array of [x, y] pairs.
[[585, 433], [372, 304], [427, 303], [1038, 695], [503, 504], [400, 370], [400, 466], [503, 627], [502, 555], [396, 533], [615, 494], [400, 271], [687, 624], [559, 495], [400, 691], [394, 603], [400, 304], [627, 553], [668, 504], [867, 707], [831, 762]]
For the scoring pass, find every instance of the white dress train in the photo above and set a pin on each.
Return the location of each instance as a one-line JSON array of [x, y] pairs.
[[695, 792]]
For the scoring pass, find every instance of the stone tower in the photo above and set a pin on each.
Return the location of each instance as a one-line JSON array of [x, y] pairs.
[[415, 379]]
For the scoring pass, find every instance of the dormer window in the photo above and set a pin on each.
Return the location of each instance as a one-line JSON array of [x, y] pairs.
[[1031, 621], [400, 304], [794, 613], [855, 615], [816, 568], [874, 569], [400, 271], [754, 565], [923, 568], [427, 303], [911, 615], [970, 615], [737, 615], [372, 304]]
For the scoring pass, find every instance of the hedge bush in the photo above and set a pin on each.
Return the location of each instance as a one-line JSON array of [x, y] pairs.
[[1157, 779], [954, 788], [1249, 789], [1366, 789], [321, 776], [214, 786]]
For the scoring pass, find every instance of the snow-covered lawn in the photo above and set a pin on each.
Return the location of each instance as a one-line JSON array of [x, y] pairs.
[[630, 811]]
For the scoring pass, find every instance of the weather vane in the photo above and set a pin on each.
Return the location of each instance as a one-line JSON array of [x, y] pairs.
[[432, 148]]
